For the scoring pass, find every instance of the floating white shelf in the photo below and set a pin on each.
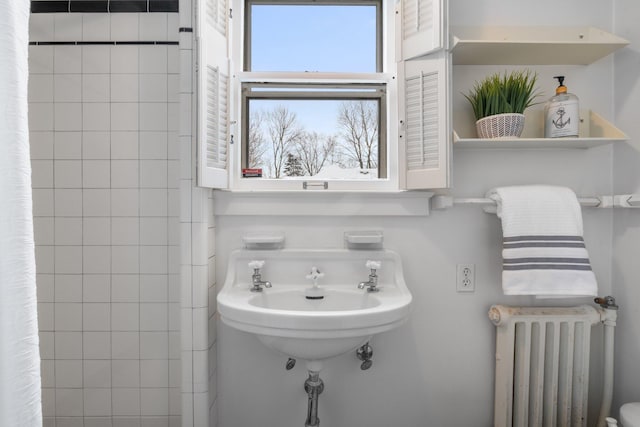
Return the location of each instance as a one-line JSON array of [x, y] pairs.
[[594, 131], [532, 45]]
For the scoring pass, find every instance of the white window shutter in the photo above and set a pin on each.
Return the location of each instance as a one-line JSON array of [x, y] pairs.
[[424, 111], [213, 93], [421, 27]]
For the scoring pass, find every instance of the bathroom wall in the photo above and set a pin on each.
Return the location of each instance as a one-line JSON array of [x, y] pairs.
[[105, 159], [626, 175], [436, 370], [197, 260]]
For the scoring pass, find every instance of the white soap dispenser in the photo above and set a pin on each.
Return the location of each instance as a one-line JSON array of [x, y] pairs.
[[562, 113]]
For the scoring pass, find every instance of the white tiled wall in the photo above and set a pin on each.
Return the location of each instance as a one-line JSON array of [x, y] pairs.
[[199, 396], [105, 160]]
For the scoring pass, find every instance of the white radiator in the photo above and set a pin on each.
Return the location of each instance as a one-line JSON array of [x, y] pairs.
[[542, 365]]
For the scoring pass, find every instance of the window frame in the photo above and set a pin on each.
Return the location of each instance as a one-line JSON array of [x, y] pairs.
[[386, 76]]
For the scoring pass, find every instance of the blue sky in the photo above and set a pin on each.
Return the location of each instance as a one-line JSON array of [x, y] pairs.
[[313, 38], [319, 116]]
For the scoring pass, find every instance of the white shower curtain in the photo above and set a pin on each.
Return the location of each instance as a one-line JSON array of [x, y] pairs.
[[19, 356]]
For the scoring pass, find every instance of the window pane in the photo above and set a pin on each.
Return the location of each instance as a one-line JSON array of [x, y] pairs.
[[318, 37], [314, 138]]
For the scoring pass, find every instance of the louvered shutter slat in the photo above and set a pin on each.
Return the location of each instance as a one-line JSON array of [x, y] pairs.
[[213, 93], [424, 106], [422, 122], [216, 11], [421, 27]]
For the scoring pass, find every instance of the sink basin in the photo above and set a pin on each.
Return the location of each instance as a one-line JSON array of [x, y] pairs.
[[332, 300], [338, 319]]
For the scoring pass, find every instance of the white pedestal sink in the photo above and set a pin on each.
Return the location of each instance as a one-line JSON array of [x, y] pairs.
[[339, 318]]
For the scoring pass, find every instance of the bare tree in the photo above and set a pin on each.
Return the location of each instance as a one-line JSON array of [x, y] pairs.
[[284, 131], [257, 141], [359, 123], [314, 150]]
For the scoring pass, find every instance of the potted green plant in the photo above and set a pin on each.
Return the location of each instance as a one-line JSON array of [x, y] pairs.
[[499, 102]]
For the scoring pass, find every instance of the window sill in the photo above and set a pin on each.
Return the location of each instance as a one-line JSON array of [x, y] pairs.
[[322, 203]]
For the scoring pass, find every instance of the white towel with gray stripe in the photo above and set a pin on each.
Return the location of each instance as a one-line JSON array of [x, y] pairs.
[[543, 253]]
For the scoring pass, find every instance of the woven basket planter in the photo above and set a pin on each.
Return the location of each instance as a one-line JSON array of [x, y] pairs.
[[508, 125]]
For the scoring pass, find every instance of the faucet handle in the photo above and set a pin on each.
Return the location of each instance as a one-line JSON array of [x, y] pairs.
[[315, 274], [256, 264], [373, 264]]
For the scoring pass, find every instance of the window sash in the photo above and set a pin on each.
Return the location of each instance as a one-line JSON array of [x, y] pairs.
[[316, 91], [313, 91]]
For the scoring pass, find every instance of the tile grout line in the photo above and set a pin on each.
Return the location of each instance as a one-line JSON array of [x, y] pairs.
[[82, 231], [110, 134], [167, 240], [139, 232], [53, 196]]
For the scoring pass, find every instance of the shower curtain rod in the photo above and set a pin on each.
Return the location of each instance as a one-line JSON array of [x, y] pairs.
[[616, 201]]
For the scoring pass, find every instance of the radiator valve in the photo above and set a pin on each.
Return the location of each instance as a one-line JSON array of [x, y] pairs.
[[606, 302]]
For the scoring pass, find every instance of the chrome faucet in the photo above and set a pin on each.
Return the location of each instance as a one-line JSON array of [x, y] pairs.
[[256, 278], [372, 284], [314, 292]]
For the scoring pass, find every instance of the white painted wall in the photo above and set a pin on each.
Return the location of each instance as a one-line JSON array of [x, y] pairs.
[[437, 370], [627, 222]]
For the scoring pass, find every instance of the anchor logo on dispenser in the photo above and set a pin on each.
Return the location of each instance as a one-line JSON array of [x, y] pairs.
[[559, 123]]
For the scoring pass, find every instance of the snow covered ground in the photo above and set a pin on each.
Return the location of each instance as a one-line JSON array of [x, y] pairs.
[[337, 172]]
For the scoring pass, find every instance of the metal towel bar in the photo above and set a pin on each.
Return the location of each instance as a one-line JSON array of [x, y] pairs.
[[616, 201]]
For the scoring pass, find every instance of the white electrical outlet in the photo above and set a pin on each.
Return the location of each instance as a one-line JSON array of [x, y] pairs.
[[466, 277]]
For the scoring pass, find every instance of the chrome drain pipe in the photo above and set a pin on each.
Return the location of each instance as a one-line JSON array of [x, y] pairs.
[[313, 386]]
